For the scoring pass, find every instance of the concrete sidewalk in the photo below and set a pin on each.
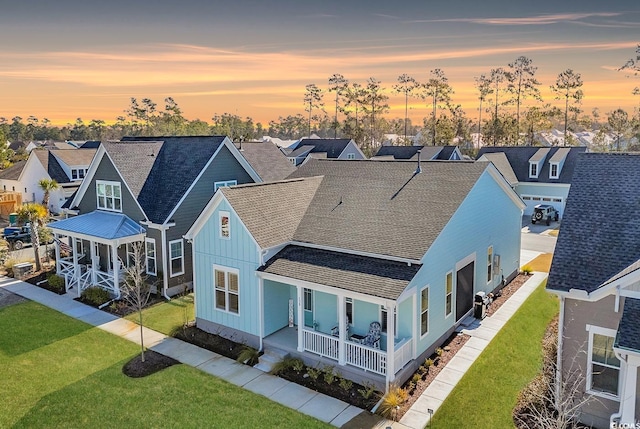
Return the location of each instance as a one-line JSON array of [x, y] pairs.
[[306, 401], [481, 332]]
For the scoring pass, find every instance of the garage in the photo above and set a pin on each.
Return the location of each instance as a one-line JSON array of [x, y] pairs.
[[533, 200]]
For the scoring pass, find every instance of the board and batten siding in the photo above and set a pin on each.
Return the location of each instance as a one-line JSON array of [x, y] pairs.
[[486, 217], [106, 171], [222, 168], [239, 252]]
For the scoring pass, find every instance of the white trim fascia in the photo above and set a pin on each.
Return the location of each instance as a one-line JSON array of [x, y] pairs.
[[551, 185], [324, 288], [502, 182], [26, 164], [236, 154], [91, 174], [116, 242], [158, 226], [356, 252], [605, 290]]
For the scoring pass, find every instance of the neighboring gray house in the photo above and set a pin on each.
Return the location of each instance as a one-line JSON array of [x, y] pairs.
[[304, 149], [266, 159], [596, 273], [542, 174], [427, 153], [147, 189]]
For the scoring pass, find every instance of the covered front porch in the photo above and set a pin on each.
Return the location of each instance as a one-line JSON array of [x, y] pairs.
[[96, 249]]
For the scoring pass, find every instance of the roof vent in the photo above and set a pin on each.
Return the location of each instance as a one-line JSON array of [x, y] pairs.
[[419, 169]]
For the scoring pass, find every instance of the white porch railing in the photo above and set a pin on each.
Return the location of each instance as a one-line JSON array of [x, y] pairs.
[[319, 343], [403, 353], [366, 358], [105, 281]]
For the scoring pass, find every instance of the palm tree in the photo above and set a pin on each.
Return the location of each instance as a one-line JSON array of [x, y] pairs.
[[47, 185], [35, 214]]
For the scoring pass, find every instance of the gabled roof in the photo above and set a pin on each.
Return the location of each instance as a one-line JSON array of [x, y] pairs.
[[519, 157], [383, 207], [446, 152], [333, 147], [300, 151], [13, 172], [499, 159], [366, 275], [80, 157], [411, 152], [160, 170], [51, 165], [600, 235], [90, 144], [267, 160], [272, 211]]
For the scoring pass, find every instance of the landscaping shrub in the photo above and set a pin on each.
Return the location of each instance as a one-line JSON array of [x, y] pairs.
[[392, 402], [249, 356], [56, 283], [287, 363], [95, 296]]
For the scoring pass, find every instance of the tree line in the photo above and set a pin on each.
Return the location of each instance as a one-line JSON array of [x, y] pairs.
[[510, 111]]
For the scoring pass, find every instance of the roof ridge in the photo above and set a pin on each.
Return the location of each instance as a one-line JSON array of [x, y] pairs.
[[275, 182]]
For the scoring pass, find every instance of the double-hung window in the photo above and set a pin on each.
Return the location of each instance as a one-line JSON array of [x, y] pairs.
[[224, 226], [603, 368], [227, 289], [424, 311], [489, 264], [176, 257], [109, 195], [553, 171], [224, 183], [448, 300], [151, 256]]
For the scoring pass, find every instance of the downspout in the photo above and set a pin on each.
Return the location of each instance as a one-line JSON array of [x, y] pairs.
[[615, 417], [165, 271], [559, 351]]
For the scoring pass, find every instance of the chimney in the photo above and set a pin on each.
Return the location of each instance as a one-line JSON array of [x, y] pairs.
[[419, 169]]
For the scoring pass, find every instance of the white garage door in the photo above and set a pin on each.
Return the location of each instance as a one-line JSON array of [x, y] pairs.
[[533, 200]]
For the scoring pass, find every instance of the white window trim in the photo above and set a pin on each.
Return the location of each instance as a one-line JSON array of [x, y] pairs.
[[226, 271], [489, 264], [427, 310], [351, 156], [537, 165], [609, 333], [172, 274], [224, 183], [108, 183], [446, 294], [222, 214], [130, 253], [147, 258], [551, 165]]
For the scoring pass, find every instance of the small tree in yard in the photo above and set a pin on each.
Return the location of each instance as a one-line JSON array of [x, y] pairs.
[[34, 214], [135, 290]]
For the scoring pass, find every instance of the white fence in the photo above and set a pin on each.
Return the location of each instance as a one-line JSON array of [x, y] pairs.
[[403, 353]]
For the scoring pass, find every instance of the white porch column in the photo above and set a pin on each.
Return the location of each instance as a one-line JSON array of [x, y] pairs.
[[95, 263], [629, 372], [260, 306], [76, 268], [342, 329], [57, 247], [300, 319], [116, 269], [391, 329]]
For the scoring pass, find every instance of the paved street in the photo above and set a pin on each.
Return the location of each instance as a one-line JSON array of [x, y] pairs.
[[536, 237]]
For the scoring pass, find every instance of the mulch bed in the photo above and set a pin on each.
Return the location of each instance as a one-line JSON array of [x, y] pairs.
[[452, 345], [211, 342], [153, 362]]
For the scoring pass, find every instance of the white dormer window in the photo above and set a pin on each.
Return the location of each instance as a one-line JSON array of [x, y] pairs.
[[533, 170], [78, 173], [351, 156], [553, 171], [109, 196], [225, 183]]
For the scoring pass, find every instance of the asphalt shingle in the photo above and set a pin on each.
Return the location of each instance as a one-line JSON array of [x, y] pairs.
[[628, 336], [267, 160], [600, 235], [333, 147]]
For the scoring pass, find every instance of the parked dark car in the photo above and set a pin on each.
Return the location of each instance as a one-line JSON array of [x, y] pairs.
[[18, 238]]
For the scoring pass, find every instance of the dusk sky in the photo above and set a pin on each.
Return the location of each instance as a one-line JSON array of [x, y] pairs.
[[67, 59]]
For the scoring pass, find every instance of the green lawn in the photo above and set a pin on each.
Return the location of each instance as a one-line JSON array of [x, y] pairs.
[[486, 395], [166, 316], [59, 372]]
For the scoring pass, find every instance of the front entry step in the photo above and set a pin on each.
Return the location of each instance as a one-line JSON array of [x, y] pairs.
[[269, 358]]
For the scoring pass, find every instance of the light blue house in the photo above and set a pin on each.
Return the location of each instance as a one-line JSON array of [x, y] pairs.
[[311, 265]]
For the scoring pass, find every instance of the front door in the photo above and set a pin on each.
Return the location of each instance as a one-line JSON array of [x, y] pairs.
[[464, 290], [308, 308]]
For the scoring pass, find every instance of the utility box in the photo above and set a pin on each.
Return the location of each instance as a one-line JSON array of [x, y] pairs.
[[480, 303], [21, 270]]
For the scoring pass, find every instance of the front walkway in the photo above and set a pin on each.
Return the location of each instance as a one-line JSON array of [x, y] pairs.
[[306, 401], [481, 332]]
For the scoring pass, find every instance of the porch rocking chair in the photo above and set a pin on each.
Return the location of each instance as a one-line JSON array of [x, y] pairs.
[[373, 337]]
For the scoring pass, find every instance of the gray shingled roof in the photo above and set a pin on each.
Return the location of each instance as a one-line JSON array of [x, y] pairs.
[[628, 336], [371, 276], [272, 211], [383, 207], [51, 165], [499, 159], [267, 160], [75, 157], [408, 152], [333, 147], [167, 172], [13, 172], [519, 156], [600, 234]]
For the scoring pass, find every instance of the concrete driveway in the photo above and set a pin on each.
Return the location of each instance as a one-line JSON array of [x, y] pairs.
[[536, 237]]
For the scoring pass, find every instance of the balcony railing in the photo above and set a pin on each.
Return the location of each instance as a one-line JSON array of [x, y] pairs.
[[322, 344], [366, 358]]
